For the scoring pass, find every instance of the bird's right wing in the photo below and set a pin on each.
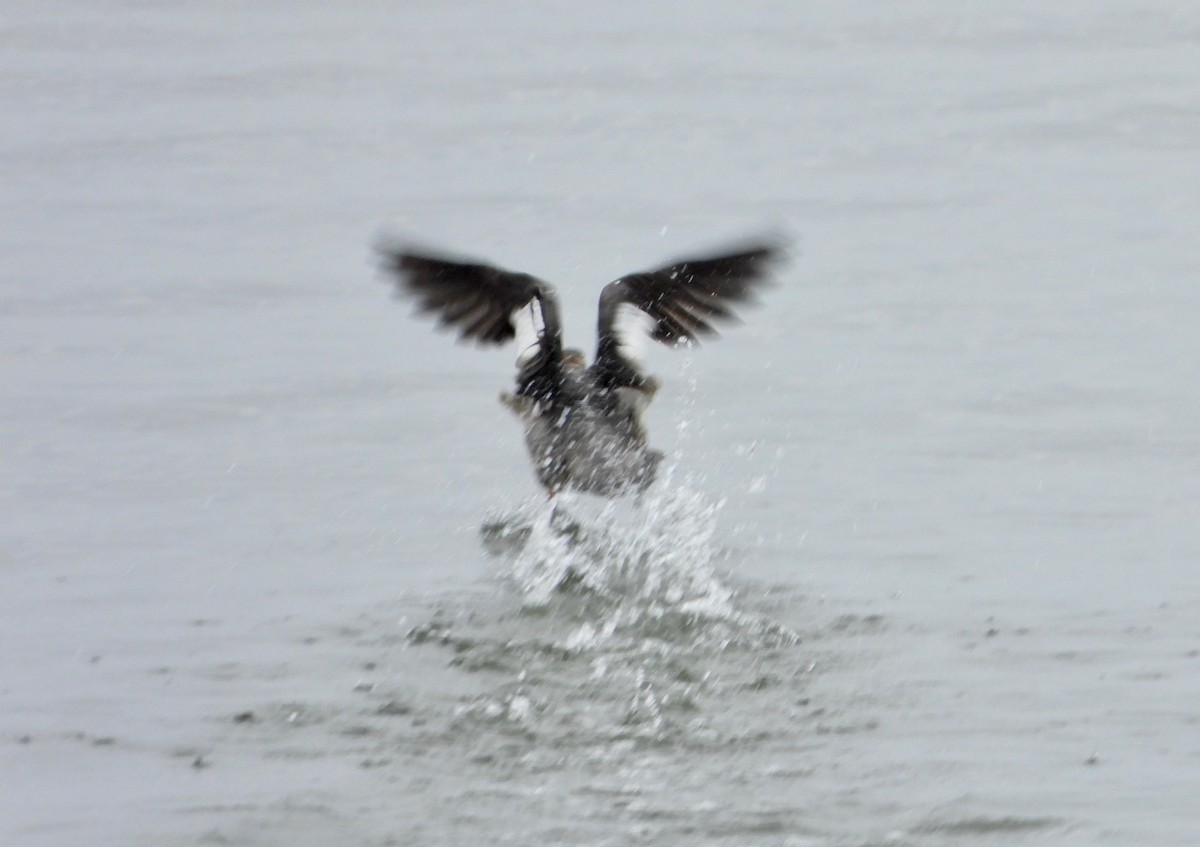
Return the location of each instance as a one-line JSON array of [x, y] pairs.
[[677, 303], [488, 305]]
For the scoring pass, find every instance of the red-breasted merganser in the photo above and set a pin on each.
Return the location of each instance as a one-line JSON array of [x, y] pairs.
[[583, 426]]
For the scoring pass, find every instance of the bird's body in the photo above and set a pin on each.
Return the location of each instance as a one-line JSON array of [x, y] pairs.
[[583, 426], [596, 444]]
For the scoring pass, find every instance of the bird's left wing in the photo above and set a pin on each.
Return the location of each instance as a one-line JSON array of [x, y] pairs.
[[487, 305]]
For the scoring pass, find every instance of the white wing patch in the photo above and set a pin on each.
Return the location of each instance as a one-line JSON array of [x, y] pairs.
[[632, 329], [529, 326]]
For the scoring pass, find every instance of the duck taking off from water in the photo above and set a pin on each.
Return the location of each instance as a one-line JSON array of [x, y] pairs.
[[583, 426]]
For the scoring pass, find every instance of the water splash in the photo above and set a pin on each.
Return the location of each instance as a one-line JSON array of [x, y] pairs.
[[658, 550], [637, 574], [619, 627]]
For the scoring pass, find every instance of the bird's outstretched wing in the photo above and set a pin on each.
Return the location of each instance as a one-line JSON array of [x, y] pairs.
[[681, 301], [487, 305]]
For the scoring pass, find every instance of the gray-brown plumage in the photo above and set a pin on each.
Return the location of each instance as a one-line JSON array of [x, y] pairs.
[[582, 424]]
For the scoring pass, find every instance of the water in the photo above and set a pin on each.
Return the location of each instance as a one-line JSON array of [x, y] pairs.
[[925, 570]]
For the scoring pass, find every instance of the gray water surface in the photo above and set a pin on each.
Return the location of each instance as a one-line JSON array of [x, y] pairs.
[[924, 571]]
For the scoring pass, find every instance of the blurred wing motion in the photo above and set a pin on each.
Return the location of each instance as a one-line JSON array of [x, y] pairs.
[[681, 300], [487, 305]]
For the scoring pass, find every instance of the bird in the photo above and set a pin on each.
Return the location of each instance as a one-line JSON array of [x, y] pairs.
[[583, 423]]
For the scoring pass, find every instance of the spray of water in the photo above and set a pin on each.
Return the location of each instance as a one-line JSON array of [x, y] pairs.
[[627, 570], [658, 550]]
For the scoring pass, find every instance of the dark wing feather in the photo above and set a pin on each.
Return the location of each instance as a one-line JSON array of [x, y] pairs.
[[480, 302], [683, 300]]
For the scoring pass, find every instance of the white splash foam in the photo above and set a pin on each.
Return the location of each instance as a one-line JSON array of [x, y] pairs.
[[655, 557]]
